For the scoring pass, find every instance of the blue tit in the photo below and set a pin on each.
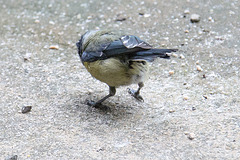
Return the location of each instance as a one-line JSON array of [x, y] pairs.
[[117, 60]]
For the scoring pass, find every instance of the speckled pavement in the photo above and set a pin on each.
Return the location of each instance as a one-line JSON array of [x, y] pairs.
[[191, 107]]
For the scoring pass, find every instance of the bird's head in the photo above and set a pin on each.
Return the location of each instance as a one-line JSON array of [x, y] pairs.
[[79, 46], [85, 40]]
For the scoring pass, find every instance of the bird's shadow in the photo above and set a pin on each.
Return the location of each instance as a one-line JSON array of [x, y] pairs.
[[110, 110]]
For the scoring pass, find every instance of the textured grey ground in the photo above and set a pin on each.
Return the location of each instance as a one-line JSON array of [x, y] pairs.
[[56, 85]]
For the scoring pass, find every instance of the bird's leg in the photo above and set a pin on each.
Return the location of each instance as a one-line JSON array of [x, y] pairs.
[[136, 94], [112, 91]]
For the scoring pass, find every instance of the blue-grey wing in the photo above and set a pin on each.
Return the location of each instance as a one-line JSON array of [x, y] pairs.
[[124, 45], [133, 42]]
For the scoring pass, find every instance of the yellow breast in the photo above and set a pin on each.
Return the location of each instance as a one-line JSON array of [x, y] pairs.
[[117, 73]]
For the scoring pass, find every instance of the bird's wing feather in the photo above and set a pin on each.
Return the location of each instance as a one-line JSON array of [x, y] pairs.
[[133, 42], [125, 45]]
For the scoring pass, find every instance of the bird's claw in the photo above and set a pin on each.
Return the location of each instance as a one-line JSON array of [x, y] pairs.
[[135, 94], [96, 105], [92, 103]]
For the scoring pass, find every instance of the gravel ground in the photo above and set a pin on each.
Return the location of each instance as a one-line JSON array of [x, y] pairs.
[[192, 104]]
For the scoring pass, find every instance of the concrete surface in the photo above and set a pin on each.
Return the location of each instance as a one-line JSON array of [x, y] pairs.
[[192, 104]]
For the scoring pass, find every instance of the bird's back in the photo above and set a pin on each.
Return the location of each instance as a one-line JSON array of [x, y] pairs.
[[117, 59]]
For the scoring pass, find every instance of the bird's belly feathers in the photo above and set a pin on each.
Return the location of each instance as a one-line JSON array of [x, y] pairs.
[[116, 73]]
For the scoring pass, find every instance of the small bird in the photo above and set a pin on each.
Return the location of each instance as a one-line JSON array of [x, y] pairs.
[[117, 60]]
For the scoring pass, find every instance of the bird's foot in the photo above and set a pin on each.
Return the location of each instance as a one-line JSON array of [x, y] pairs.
[[90, 103], [93, 103], [135, 94], [96, 105]]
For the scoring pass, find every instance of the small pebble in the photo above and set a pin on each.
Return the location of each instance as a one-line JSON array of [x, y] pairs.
[[186, 31], [183, 64], [90, 91], [54, 47], [89, 17], [206, 30], [191, 136], [120, 19], [197, 62], [60, 33], [26, 109], [231, 12], [174, 55], [195, 18], [27, 56], [146, 15], [15, 157], [51, 22], [79, 16], [171, 111], [210, 19], [185, 98], [204, 96], [186, 11], [182, 44], [37, 21], [101, 149], [193, 108], [199, 68], [171, 72], [211, 11], [182, 56]]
